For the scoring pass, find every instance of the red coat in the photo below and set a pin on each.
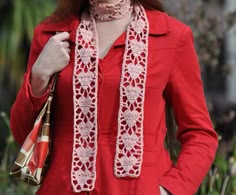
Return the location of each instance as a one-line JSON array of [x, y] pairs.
[[173, 70]]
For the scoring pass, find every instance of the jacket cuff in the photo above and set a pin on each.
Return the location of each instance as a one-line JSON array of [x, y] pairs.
[[36, 101], [171, 184]]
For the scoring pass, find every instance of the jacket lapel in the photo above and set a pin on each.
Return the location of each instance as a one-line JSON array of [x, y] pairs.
[[157, 23]]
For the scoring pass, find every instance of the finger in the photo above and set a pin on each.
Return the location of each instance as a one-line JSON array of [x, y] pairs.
[[62, 36], [67, 51], [67, 57], [65, 44]]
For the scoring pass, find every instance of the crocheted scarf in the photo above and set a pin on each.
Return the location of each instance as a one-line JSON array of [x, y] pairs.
[[110, 11], [129, 142]]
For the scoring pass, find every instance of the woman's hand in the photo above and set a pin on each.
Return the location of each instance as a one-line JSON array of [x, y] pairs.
[[163, 191], [53, 58]]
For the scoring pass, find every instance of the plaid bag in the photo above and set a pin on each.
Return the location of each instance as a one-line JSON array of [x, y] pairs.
[[32, 161]]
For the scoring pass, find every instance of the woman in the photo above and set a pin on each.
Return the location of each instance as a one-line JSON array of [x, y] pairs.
[[119, 62]]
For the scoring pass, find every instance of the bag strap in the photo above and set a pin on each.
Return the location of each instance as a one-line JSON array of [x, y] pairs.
[[53, 85]]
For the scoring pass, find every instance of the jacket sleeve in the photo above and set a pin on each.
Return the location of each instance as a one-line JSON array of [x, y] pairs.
[[198, 139], [26, 106]]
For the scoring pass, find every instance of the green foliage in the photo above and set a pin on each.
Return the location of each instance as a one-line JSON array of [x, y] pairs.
[[19, 19], [221, 179], [209, 24]]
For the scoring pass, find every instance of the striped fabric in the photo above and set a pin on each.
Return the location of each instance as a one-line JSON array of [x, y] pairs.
[[32, 161]]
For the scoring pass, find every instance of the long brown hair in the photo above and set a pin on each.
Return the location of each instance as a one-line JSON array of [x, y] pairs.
[[67, 8]]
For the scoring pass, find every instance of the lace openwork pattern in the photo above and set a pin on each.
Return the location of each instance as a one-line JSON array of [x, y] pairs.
[[85, 89], [129, 143], [129, 146], [110, 11]]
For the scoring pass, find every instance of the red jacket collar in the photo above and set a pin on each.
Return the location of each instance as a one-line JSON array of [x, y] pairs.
[[67, 25], [158, 26], [158, 23]]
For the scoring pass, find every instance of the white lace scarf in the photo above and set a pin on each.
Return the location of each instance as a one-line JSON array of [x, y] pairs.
[[109, 11], [129, 143]]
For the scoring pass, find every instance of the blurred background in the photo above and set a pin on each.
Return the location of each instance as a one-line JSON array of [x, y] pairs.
[[214, 26]]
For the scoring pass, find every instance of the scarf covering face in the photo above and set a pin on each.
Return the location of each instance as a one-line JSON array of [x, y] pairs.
[[129, 142]]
